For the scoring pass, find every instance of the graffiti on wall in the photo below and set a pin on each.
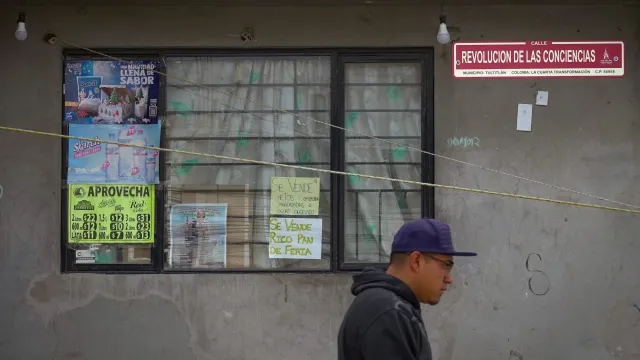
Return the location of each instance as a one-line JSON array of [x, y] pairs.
[[463, 142]]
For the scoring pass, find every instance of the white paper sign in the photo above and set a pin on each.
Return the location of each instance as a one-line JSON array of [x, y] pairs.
[[85, 256], [542, 98], [295, 238], [524, 117]]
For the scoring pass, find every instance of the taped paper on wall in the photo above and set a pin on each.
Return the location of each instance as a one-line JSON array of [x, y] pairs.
[[295, 238], [542, 98], [295, 196], [524, 117]]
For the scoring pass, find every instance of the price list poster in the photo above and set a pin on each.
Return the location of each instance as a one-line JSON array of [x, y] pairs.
[[115, 214]]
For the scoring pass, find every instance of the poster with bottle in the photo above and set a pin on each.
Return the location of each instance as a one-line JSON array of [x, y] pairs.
[[111, 92], [96, 162]]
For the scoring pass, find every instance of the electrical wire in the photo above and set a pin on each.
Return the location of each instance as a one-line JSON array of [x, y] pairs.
[[260, 162]]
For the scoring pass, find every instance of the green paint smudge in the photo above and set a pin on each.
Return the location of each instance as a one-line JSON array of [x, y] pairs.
[[298, 103], [392, 92], [371, 233], [186, 167], [303, 157], [399, 152], [351, 118], [402, 203], [181, 108], [255, 76], [354, 180], [242, 142]]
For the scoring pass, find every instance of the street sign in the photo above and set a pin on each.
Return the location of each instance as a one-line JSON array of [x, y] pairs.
[[538, 59]]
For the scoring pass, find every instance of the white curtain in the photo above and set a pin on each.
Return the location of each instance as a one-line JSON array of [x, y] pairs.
[[228, 117]]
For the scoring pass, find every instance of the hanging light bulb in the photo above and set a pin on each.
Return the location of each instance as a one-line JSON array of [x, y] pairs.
[[443, 36], [21, 31]]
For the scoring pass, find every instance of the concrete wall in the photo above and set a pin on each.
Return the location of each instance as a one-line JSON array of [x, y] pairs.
[[588, 138]]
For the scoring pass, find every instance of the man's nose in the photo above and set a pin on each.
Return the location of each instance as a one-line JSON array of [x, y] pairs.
[[448, 279]]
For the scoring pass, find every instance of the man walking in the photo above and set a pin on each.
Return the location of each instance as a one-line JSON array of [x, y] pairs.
[[384, 321]]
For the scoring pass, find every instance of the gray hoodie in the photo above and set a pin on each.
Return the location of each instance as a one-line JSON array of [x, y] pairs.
[[383, 322]]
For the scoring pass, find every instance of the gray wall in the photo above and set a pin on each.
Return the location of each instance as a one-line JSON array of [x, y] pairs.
[[587, 139]]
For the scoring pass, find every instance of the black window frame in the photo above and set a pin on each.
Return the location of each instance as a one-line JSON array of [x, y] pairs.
[[339, 58]]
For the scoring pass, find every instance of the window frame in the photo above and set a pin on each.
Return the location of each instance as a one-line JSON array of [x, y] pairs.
[[339, 58], [425, 57], [67, 258]]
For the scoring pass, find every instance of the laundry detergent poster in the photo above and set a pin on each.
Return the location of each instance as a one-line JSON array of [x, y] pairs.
[[111, 92], [95, 162]]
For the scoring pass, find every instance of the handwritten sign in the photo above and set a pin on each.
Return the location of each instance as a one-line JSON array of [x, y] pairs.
[[295, 196], [295, 238]]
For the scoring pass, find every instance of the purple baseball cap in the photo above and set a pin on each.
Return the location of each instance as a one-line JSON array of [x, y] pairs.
[[426, 236]]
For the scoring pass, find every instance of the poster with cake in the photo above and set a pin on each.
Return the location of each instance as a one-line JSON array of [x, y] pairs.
[[111, 92], [125, 161]]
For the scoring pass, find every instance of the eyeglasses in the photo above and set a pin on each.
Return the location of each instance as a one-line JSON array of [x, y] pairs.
[[448, 264]]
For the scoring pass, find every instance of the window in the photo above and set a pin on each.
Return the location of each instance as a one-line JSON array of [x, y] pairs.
[[385, 100], [288, 108], [224, 114], [92, 234]]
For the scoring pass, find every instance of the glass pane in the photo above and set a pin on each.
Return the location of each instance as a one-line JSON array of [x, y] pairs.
[[372, 73], [213, 71], [313, 71], [100, 254], [385, 102], [386, 97], [218, 211], [384, 123], [313, 98], [185, 100], [372, 218], [253, 175], [302, 151], [377, 151], [238, 124]]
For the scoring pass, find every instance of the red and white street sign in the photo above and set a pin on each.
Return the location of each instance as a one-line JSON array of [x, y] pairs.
[[538, 59]]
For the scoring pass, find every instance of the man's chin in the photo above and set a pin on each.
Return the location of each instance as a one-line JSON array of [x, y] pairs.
[[433, 302]]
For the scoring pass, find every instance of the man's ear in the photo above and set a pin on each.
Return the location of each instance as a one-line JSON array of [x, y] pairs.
[[414, 260]]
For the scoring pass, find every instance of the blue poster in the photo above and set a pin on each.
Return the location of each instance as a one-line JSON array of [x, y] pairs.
[[198, 236], [111, 92], [95, 162]]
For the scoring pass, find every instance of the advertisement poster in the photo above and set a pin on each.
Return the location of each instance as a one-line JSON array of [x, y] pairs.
[[111, 92], [295, 196], [95, 162], [102, 214], [198, 236], [538, 59], [295, 238]]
